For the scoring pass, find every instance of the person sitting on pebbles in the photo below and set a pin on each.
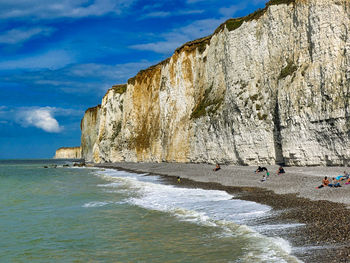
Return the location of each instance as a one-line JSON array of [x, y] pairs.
[[260, 169], [280, 170], [335, 183], [217, 168], [265, 176], [325, 182]]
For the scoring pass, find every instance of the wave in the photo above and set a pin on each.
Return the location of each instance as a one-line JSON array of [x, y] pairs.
[[212, 208]]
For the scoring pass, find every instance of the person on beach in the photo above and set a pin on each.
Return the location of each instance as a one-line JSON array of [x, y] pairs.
[[280, 170], [325, 182], [178, 179], [343, 177], [264, 178], [217, 168], [348, 181], [335, 183], [260, 169]]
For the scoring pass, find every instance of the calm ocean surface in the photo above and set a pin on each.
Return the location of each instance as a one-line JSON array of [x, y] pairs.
[[96, 215]]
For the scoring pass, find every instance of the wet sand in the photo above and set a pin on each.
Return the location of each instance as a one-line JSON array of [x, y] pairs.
[[293, 196]]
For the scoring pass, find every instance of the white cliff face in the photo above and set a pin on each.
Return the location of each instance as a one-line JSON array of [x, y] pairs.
[[68, 153], [89, 131], [273, 90]]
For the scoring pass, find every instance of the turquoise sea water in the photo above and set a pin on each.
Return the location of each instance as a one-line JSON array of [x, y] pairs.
[[94, 215]]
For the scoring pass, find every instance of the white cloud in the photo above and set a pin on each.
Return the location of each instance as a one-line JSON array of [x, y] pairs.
[[82, 78], [162, 14], [158, 14], [231, 10], [52, 59], [163, 47], [117, 71], [19, 35], [179, 36], [44, 9], [41, 118]]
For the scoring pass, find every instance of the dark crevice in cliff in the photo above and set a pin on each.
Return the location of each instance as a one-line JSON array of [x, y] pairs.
[[277, 136], [309, 36], [240, 161]]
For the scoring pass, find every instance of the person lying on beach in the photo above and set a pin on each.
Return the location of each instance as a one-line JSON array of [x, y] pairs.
[[217, 168], [260, 169], [280, 170], [325, 182], [341, 177]]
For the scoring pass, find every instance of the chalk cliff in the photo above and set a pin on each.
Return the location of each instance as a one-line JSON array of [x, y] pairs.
[[68, 153], [272, 87]]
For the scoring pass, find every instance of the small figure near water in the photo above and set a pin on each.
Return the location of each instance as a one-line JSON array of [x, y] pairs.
[[265, 176], [178, 179], [280, 170], [217, 168], [260, 169]]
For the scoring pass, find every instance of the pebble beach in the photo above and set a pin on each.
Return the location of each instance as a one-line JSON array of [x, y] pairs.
[[293, 195]]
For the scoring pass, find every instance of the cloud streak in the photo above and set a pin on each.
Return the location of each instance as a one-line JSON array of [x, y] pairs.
[[19, 35], [82, 78], [52, 59], [43, 9], [177, 37]]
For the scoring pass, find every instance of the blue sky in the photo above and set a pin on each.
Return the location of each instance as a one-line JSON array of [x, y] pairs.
[[58, 58]]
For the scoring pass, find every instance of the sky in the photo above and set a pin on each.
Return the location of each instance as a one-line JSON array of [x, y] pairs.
[[58, 58]]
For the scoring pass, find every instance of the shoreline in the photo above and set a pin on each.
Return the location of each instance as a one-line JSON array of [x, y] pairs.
[[292, 196]]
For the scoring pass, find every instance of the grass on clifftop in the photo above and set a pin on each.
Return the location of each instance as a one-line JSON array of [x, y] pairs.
[[120, 88], [234, 23]]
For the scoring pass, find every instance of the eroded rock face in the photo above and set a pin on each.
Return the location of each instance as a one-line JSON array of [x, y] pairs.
[[273, 90], [68, 153], [89, 132]]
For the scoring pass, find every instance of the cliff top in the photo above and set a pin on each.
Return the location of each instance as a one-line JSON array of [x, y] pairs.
[[230, 24], [93, 108], [68, 148]]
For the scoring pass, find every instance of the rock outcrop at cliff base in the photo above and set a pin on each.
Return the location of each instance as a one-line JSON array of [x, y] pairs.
[[68, 153], [272, 87]]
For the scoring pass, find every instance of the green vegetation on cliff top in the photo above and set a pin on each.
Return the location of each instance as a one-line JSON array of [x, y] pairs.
[[230, 24]]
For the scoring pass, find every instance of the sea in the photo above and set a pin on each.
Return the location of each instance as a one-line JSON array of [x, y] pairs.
[[72, 214]]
